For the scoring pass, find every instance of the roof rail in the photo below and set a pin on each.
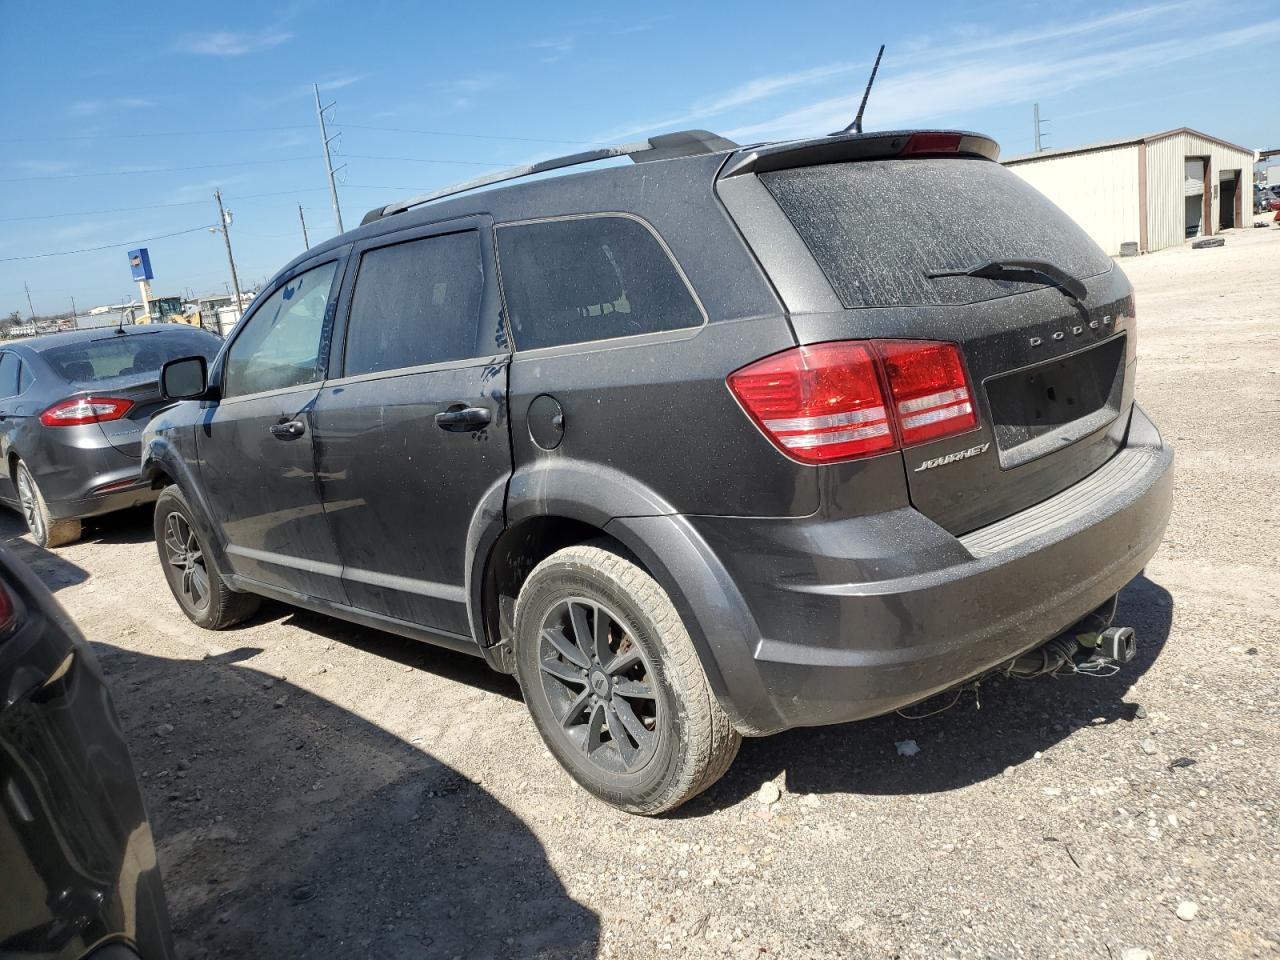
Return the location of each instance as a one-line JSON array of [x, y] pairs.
[[686, 143]]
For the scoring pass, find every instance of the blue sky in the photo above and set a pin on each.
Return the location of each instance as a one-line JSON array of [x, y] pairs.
[[120, 120]]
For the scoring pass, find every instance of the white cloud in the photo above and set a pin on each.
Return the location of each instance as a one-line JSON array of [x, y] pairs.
[[229, 43], [88, 108], [969, 78]]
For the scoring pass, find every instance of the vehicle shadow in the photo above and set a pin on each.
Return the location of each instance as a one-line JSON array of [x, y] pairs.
[[290, 827], [447, 664], [54, 570], [974, 740], [124, 526]]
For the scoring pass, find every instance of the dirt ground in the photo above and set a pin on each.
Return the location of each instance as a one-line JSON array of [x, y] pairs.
[[331, 791]]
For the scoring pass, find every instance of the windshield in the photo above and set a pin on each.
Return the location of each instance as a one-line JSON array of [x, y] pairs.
[[89, 361], [878, 227]]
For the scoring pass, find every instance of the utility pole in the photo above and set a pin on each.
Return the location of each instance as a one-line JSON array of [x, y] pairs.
[[29, 306], [74, 312], [303, 220], [1038, 123], [224, 218], [329, 170]]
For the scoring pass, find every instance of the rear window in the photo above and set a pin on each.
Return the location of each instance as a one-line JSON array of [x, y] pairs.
[[88, 361], [589, 278], [877, 227], [417, 303]]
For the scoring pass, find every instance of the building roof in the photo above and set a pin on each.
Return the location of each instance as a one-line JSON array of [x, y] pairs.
[[1124, 142]]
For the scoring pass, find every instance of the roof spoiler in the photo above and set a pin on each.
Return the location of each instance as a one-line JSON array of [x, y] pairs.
[[686, 143], [860, 146]]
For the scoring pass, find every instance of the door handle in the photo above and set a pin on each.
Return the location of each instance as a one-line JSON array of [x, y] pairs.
[[459, 418], [288, 431]]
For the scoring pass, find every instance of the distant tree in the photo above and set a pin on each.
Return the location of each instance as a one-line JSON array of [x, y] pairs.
[[14, 319]]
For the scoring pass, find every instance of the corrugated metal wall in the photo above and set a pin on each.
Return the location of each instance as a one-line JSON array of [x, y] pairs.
[[1099, 190], [1166, 173]]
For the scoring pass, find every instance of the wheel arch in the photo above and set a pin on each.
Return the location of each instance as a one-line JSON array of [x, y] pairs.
[[591, 502], [163, 465]]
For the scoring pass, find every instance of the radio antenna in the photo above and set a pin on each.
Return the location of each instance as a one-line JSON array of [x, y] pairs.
[[856, 126]]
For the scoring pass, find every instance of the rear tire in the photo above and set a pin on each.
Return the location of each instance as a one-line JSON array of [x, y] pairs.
[[190, 569], [614, 683], [45, 531]]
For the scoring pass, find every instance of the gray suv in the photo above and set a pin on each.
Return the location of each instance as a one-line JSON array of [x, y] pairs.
[[726, 441]]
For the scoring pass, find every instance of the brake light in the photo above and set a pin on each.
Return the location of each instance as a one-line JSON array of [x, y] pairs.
[[80, 410], [856, 398], [929, 389], [819, 403], [919, 143]]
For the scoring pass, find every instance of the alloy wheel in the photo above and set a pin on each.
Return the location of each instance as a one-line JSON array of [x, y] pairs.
[[600, 685], [186, 558], [30, 506]]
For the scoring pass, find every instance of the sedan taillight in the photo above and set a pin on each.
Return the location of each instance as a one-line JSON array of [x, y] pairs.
[[856, 398], [75, 411]]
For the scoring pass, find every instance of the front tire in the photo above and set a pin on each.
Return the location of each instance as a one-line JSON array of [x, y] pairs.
[[191, 571], [45, 531], [614, 684]]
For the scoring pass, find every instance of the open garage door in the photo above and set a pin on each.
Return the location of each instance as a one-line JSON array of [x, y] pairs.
[[1195, 193], [1229, 206]]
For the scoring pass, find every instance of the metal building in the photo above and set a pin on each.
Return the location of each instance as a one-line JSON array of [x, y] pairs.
[[1155, 190]]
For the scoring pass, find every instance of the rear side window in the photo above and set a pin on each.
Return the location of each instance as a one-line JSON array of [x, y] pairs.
[[590, 278], [876, 228], [10, 367], [416, 303]]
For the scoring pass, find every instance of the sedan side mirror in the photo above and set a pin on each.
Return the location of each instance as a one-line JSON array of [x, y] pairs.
[[184, 379]]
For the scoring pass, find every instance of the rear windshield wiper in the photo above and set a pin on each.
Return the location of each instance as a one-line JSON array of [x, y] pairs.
[[1035, 271]]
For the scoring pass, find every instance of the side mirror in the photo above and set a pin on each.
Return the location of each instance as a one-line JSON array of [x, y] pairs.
[[184, 379]]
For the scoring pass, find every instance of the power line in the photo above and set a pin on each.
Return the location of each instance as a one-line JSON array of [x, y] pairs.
[[105, 246], [465, 163], [131, 173], [158, 206], [473, 136], [295, 126], [141, 136]]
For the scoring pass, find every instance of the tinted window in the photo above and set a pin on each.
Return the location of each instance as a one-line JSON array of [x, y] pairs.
[[877, 227], [9, 372], [116, 355], [416, 303], [570, 281], [280, 344]]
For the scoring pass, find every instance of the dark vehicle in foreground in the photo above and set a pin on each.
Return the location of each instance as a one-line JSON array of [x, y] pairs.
[[72, 409], [728, 441], [79, 866]]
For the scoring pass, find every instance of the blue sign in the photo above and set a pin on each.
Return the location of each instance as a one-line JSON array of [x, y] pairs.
[[140, 264]]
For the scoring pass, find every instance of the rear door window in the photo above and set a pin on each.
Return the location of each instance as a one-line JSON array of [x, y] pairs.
[[590, 278], [876, 228], [416, 303]]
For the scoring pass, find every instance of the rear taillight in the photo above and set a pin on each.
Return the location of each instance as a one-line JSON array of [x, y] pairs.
[[930, 391], [819, 403], [8, 610], [79, 410], [828, 402]]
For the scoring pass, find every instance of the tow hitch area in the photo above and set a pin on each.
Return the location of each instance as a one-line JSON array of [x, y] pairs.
[[1091, 647]]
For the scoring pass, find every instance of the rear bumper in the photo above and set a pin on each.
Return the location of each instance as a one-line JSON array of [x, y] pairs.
[[857, 617]]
